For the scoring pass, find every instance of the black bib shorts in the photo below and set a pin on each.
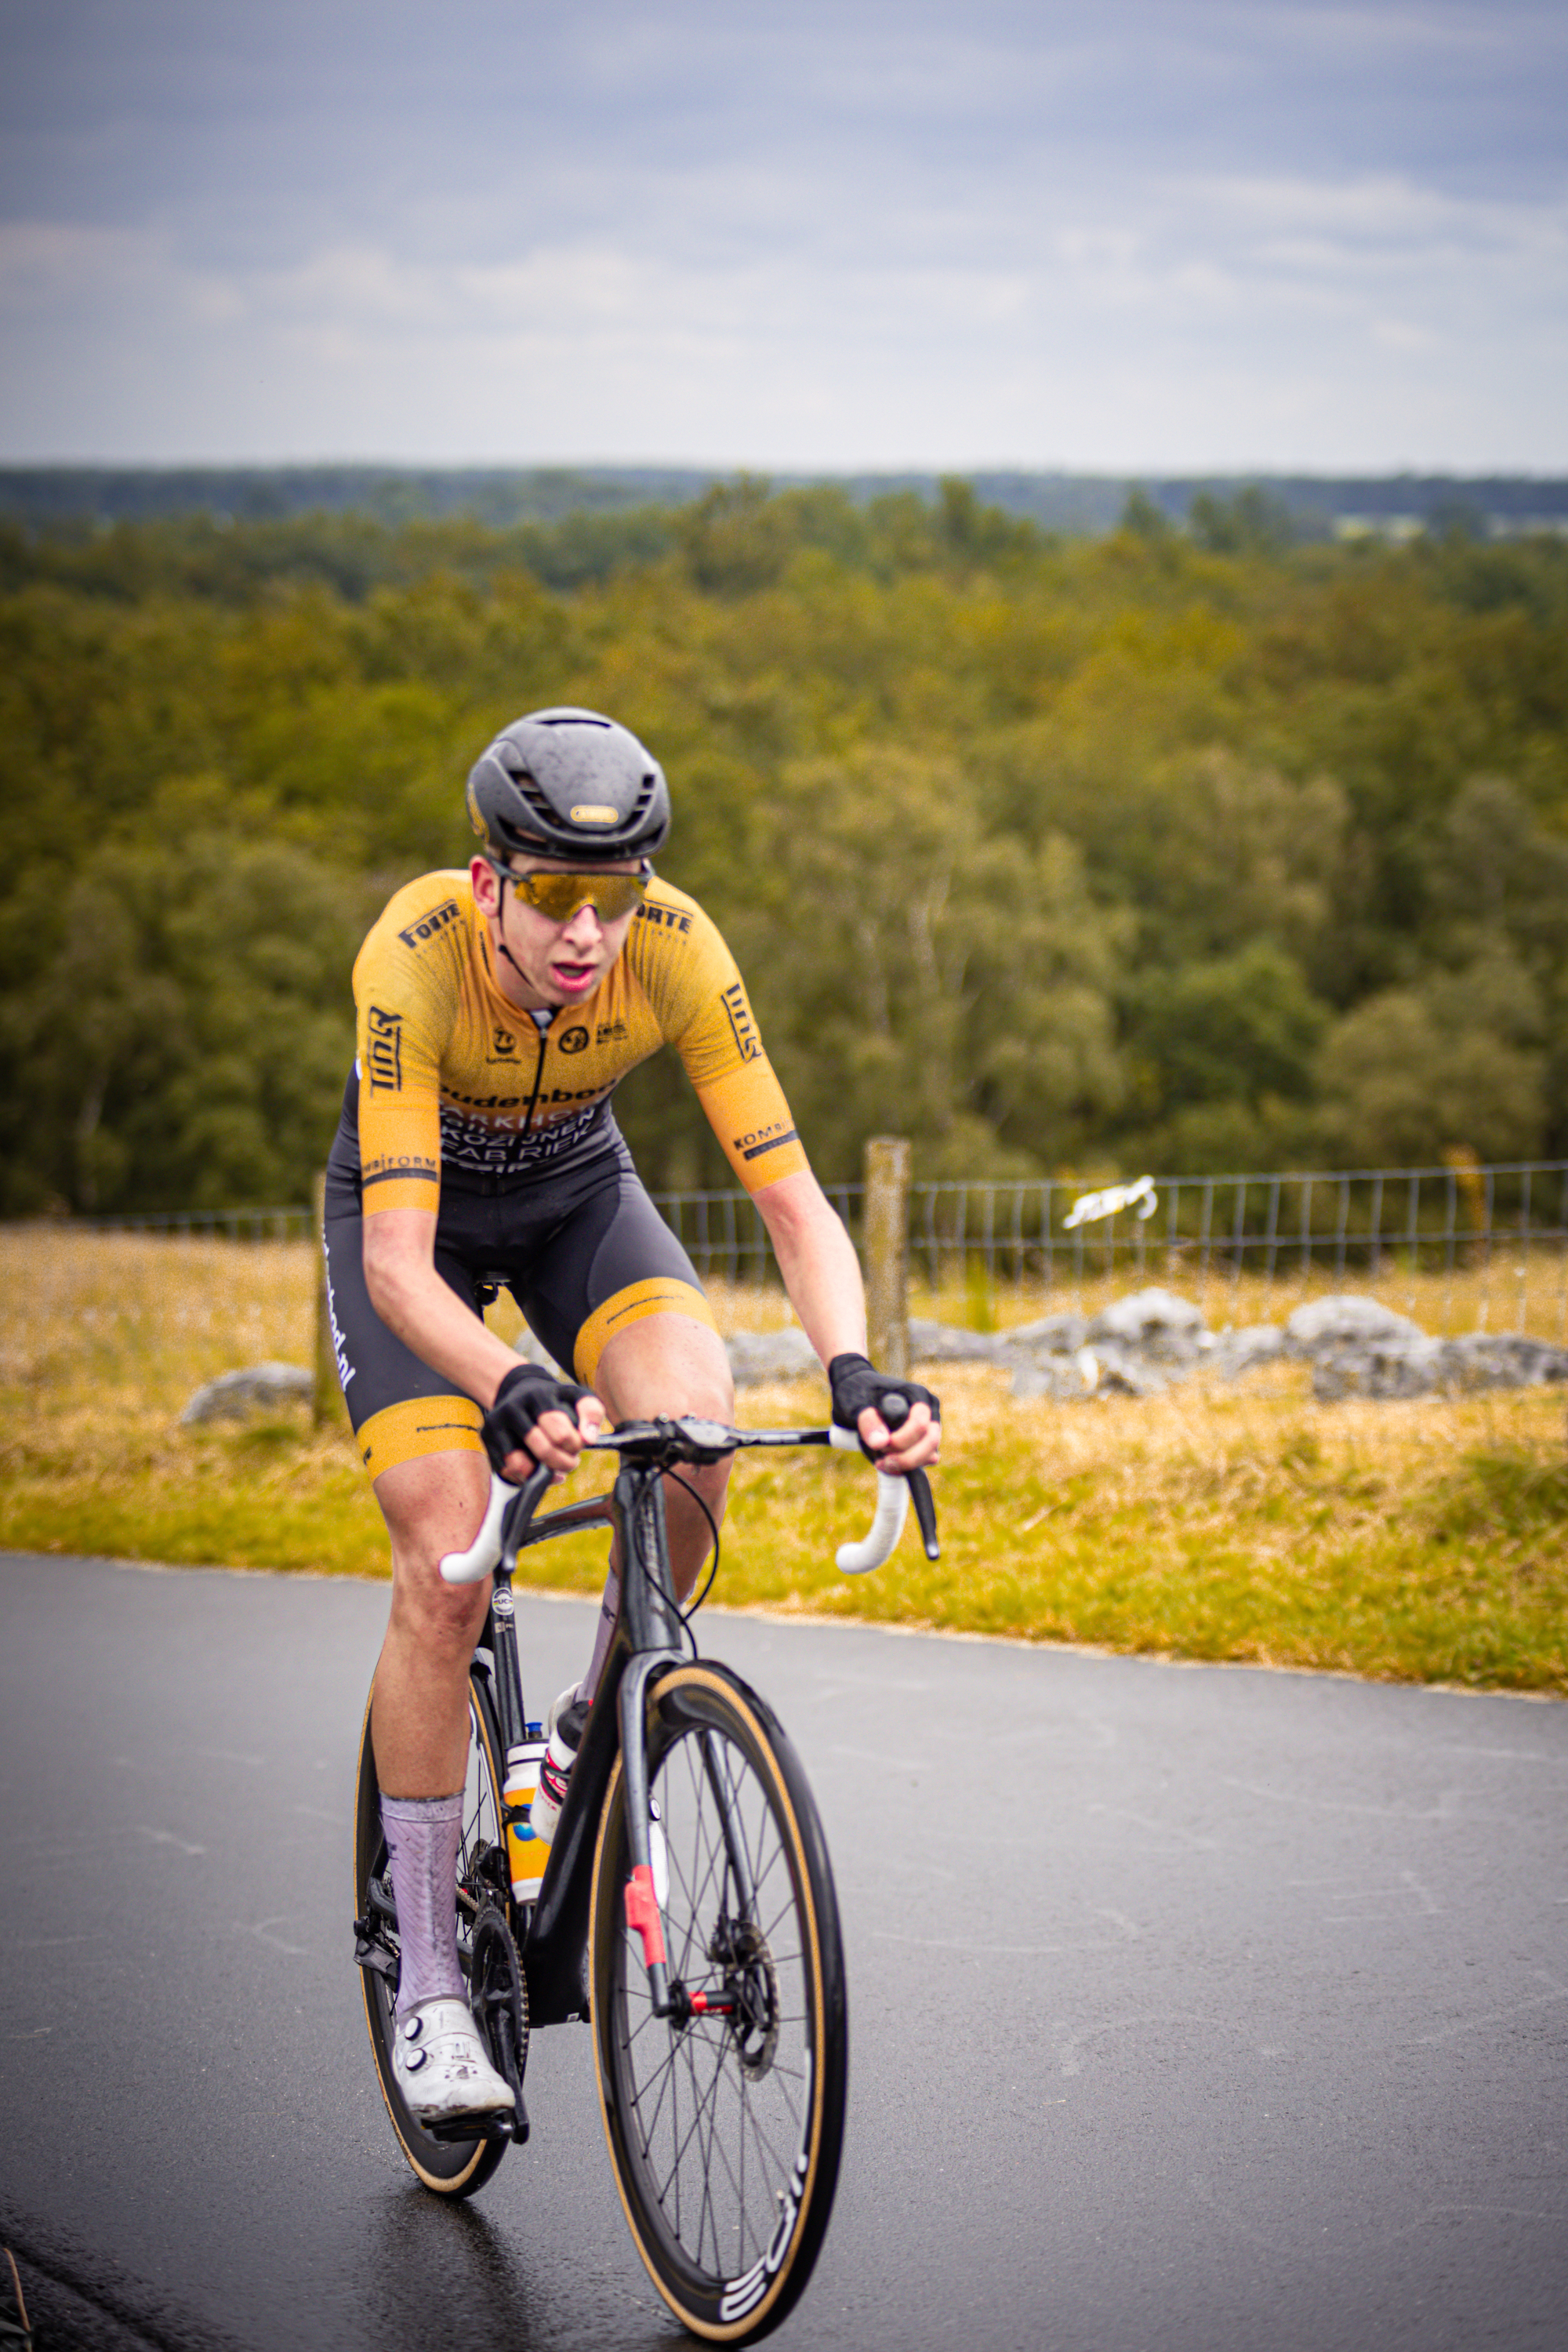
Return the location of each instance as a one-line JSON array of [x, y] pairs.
[[584, 1253]]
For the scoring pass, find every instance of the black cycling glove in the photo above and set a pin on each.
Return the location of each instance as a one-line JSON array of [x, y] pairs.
[[856, 1383], [522, 1397]]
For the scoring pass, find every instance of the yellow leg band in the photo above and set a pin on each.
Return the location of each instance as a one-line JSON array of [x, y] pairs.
[[662, 1295], [402, 1432]]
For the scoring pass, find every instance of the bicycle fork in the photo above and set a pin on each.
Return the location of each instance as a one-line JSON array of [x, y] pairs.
[[640, 1495]]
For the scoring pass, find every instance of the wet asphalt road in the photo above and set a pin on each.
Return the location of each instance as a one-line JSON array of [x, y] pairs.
[[1192, 2009]]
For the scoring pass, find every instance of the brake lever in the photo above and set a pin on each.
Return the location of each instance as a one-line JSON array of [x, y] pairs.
[[895, 1412], [925, 1512], [515, 1524]]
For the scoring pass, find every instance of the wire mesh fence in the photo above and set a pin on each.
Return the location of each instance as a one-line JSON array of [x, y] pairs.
[[1501, 1233], [1498, 1235]]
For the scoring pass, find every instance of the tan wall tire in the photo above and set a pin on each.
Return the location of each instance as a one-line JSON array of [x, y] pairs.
[[725, 2131], [449, 2169]]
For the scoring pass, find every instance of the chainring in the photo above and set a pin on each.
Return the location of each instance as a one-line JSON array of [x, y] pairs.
[[497, 1995]]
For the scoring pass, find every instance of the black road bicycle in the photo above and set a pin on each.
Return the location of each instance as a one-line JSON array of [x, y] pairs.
[[685, 1909]]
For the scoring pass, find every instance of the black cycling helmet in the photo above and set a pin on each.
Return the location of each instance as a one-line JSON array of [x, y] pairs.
[[568, 784]]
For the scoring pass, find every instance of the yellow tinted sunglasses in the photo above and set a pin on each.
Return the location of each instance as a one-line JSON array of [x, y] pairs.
[[559, 896]]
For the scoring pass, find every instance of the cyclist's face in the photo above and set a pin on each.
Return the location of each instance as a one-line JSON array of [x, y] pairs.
[[551, 963]]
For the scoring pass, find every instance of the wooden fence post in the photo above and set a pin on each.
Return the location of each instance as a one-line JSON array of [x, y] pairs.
[[888, 1252], [326, 1388]]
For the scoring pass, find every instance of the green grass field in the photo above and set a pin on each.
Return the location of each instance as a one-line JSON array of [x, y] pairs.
[[1426, 1540]]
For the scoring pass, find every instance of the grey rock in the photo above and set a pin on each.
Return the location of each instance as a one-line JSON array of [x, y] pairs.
[[1102, 1371], [1501, 1360], [1236, 1352], [1125, 1371], [234, 1396], [1053, 1335], [758, 1356], [1403, 1367], [1395, 1368], [1346, 1320], [1155, 1322], [947, 1343]]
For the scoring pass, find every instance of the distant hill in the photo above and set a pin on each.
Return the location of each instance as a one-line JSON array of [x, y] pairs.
[[53, 496]]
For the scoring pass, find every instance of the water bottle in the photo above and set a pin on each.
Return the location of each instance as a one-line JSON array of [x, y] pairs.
[[526, 1853]]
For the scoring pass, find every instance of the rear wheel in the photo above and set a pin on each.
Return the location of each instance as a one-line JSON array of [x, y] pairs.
[[450, 2167], [725, 2119]]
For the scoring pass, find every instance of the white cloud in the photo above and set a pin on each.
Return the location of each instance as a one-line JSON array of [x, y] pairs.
[[1217, 236]]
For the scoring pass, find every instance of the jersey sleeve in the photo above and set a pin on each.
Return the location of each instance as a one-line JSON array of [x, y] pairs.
[[406, 988], [698, 995]]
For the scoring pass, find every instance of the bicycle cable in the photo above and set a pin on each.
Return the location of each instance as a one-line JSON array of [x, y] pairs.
[[688, 1614]]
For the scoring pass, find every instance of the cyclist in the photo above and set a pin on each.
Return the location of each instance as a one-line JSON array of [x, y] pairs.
[[498, 1009]]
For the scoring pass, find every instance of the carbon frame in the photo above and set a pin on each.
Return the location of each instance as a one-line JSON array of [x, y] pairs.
[[554, 1931]]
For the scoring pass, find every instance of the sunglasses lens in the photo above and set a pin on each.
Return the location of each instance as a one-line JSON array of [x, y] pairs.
[[559, 896]]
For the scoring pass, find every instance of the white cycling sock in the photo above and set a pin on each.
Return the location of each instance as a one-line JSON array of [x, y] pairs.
[[609, 1610], [423, 1834]]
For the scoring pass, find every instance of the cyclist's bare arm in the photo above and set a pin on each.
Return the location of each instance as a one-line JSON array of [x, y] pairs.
[[412, 1301], [822, 1277]]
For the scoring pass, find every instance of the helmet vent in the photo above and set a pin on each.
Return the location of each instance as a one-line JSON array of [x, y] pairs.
[[528, 790]]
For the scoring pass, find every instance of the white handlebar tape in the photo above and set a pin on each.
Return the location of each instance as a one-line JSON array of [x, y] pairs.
[[879, 1543], [881, 1539], [484, 1552]]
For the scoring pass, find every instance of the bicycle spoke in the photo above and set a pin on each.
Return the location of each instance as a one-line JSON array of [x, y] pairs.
[[716, 2102]]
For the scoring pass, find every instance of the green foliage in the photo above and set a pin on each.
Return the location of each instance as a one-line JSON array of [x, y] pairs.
[[1188, 847], [175, 1023], [1253, 523]]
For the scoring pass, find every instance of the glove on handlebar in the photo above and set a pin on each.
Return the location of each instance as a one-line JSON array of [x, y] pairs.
[[523, 1395], [856, 1383]]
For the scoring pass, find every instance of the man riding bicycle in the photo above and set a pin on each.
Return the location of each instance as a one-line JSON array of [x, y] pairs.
[[497, 1011]]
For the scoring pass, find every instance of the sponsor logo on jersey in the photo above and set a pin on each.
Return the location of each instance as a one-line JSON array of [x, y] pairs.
[[669, 917], [747, 1042], [437, 920], [495, 1146], [608, 1031], [384, 1053], [388, 1170], [767, 1138], [573, 1040], [503, 1045]]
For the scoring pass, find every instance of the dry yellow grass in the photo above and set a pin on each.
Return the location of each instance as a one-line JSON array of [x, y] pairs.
[[1422, 1540]]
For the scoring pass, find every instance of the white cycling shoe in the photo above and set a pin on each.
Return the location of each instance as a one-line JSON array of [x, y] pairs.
[[441, 2067]]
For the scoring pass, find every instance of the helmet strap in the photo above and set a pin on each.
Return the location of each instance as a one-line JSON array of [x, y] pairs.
[[503, 876]]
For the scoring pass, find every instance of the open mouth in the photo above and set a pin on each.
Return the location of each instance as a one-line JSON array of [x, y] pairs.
[[576, 977]]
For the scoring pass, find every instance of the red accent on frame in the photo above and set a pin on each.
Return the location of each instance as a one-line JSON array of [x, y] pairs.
[[642, 1914]]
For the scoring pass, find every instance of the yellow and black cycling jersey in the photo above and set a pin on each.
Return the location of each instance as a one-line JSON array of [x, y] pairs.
[[455, 1078]]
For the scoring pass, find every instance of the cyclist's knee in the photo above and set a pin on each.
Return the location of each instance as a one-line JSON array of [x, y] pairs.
[[665, 1364], [433, 1505], [439, 1616]]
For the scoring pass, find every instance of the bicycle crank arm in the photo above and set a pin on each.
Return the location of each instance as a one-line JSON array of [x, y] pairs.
[[641, 1895], [463, 2128]]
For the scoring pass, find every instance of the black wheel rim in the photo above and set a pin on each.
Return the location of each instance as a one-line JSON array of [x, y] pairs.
[[450, 2167], [716, 2108]]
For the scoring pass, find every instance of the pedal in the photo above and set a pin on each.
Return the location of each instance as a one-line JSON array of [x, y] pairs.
[[462, 2129]]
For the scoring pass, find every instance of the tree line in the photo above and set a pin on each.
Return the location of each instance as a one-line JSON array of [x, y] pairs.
[[1184, 849]]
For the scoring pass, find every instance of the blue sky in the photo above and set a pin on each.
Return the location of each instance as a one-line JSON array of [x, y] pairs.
[[1159, 236]]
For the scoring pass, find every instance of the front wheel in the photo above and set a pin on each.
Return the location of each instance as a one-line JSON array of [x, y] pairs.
[[724, 2120]]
